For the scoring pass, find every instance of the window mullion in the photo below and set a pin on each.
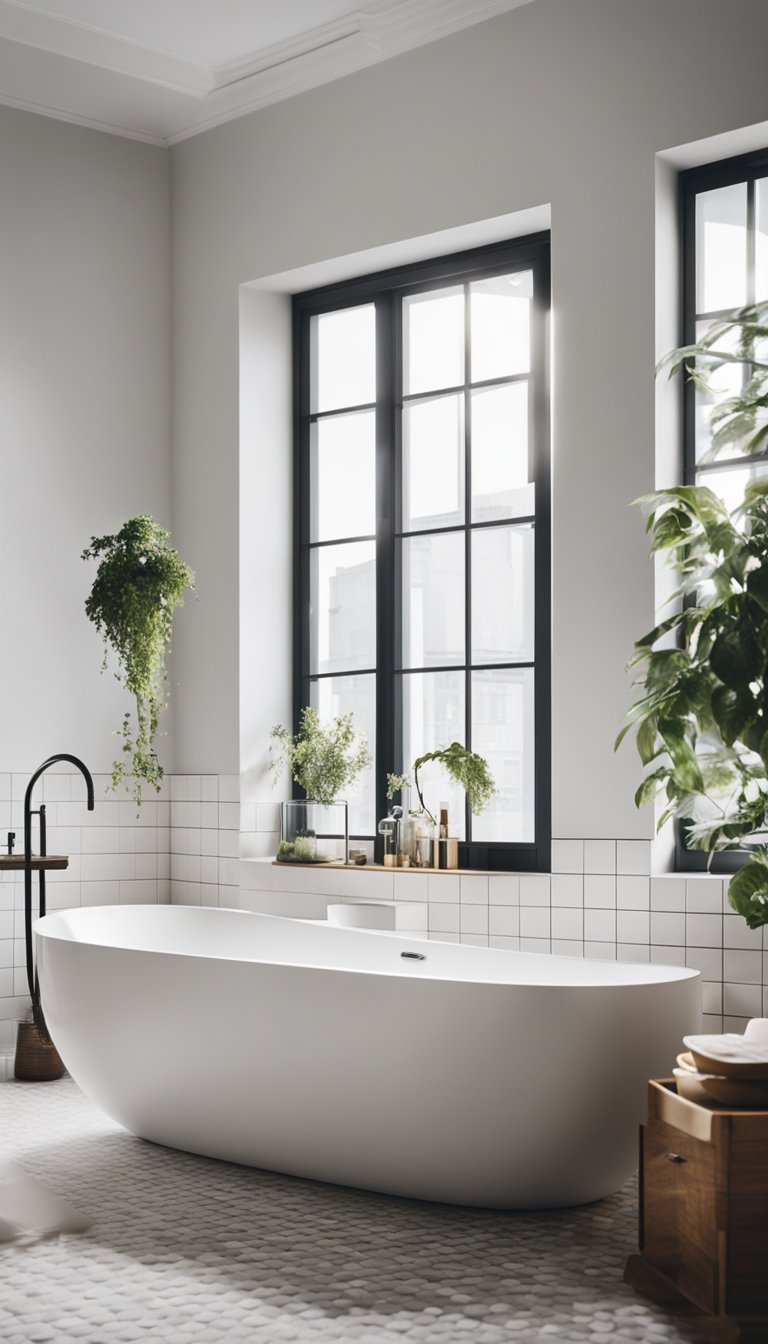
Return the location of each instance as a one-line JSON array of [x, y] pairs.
[[387, 753], [467, 542], [303, 373]]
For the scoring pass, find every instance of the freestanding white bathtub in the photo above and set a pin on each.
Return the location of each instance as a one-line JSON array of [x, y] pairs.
[[467, 1076]]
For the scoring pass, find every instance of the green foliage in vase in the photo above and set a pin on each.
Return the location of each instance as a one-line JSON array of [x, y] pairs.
[[301, 850], [468, 769], [140, 581], [702, 719], [396, 784], [323, 761]]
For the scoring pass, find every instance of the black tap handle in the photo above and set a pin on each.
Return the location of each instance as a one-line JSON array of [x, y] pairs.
[[11, 841]]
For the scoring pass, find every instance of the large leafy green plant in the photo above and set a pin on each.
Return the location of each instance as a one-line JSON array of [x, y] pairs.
[[322, 760], [702, 720], [139, 583]]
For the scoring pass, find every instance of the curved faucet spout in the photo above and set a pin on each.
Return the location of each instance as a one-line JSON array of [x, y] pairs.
[[52, 760], [85, 772]]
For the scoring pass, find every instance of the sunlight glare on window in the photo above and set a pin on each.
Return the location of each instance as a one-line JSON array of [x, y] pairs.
[[344, 354], [500, 474], [500, 311], [721, 248], [343, 476], [433, 463], [433, 340]]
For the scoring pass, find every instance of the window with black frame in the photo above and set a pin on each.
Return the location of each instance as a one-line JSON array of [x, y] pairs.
[[725, 267], [422, 531]]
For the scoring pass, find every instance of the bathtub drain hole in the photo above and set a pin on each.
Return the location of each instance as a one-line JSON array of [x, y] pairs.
[[413, 956]]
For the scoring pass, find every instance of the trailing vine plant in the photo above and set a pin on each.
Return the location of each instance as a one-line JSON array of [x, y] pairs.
[[702, 718], [469, 770], [140, 581]]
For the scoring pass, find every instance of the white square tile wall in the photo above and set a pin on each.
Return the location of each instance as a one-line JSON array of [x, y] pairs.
[[600, 900], [188, 844], [205, 838], [118, 854]]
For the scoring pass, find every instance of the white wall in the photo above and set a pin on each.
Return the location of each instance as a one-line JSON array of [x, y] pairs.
[[85, 398], [558, 102]]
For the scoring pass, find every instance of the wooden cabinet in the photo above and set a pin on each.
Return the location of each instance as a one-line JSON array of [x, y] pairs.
[[704, 1213]]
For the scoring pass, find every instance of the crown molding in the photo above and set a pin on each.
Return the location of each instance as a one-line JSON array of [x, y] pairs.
[[212, 95], [326, 53], [33, 27], [320, 65], [75, 119]]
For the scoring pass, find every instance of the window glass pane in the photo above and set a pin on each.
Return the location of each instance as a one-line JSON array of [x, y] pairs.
[[341, 695], [500, 316], [500, 485], [502, 594], [724, 382], [433, 600], [729, 483], [433, 463], [721, 248], [343, 476], [433, 717], [343, 358], [503, 732], [342, 634], [761, 239], [433, 340]]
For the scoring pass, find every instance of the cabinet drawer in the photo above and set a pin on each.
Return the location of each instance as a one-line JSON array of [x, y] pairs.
[[679, 1211]]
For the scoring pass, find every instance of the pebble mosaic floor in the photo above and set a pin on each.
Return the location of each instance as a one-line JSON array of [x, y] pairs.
[[186, 1249]]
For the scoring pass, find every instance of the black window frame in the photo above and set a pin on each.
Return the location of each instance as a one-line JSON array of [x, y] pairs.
[[387, 290], [692, 183]]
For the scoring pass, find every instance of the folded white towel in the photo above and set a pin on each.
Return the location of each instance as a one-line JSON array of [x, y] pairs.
[[730, 1048], [27, 1209]]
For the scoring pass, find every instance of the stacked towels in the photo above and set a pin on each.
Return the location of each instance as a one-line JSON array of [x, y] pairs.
[[728, 1070]]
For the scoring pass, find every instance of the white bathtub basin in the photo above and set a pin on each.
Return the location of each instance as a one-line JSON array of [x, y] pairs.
[[472, 1076]]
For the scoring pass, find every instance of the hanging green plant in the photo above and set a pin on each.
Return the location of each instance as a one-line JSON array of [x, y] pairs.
[[140, 582]]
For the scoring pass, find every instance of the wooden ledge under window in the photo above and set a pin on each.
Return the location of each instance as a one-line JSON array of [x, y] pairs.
[[420, 872]]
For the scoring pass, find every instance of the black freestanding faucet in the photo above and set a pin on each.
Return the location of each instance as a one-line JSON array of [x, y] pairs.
[[32, 981]]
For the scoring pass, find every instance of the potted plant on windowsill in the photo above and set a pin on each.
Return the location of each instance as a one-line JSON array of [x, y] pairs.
[[421, 832], [324, 761], [702, 718]]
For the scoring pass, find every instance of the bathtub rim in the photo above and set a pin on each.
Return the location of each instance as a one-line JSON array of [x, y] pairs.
[[676, 974]]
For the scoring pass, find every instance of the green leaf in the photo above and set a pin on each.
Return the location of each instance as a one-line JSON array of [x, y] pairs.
[[736, 657], [686, 768], [662, 629], [748, 893], [650, 786], [647, 739], [733, 710], [757, 582]]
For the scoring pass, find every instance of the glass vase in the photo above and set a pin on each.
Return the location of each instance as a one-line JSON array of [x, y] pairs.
[[421, 840], [298, 832]]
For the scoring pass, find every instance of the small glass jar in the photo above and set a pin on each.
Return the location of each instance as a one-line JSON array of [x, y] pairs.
[[422, 840]]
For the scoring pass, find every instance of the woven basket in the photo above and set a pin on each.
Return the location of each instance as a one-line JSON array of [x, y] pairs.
[[37, 1059]]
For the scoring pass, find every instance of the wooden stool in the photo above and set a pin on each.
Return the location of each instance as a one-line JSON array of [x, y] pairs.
[[704, 1214]]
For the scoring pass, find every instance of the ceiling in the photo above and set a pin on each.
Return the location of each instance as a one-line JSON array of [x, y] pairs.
[[162, 70]]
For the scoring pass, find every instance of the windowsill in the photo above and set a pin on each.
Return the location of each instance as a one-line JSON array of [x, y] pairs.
[[422, 872]]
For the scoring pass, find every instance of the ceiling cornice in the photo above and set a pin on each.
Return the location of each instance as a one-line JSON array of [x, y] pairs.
[[80, 42], [212, 94]]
